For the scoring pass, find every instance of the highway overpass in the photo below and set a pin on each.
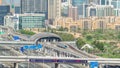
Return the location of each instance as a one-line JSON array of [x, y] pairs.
[[27, 42], [58, 59], [46, 47]]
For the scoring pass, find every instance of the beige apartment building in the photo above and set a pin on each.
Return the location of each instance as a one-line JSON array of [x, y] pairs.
[[54, 9], [91, 23]]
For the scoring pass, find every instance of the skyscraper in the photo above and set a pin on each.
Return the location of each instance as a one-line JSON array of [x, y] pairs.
[[34, 6], [81, 5], [73, 12], [54, 9], [4, 10], [99, 10], [116, 5]]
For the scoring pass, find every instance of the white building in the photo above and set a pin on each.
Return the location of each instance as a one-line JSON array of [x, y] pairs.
[[99, 10], [12, 21], [23, 21]]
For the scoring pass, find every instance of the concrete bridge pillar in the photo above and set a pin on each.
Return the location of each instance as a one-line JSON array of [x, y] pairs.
[[15, 65], [48, 51], [40, 49], [55, 53], [68, 55], [51, 51], [101, 65], [58, 53], [45, 50], [63, 54], [56, 65]]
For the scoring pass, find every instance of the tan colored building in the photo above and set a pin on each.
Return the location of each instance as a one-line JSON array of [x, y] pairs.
[[54, 9], [93, 23], [73, 12]]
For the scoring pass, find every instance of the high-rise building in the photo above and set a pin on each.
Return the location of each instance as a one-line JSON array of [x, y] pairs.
[[104, 2], [34, 6], [109, 2], [54, 9], [73, 12], [116, 5], [78, 2], [68, 1], [17, 9], [81, 5], [23, 21], [63, 0], [99, 10], [4, 10]]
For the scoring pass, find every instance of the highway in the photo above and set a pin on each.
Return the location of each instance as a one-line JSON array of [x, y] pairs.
[[71, 50], [25, 42], [18, 45], [16, 59], [17, 42]]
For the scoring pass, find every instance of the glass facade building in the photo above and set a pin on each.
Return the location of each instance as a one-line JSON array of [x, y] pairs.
[[17, 9], [4, 10], [81, 5], [99, 10], [116, 5], [92, 12], [78, 2], [103, 2], [32, 21], [34, 6]]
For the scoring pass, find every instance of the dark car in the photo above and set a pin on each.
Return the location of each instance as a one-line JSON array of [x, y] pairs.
[[62, 45]]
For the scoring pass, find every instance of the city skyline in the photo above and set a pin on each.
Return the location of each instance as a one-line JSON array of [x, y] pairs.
[[76, 9], [59, 33]]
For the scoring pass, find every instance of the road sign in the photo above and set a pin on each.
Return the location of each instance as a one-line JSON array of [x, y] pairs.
[[94, 64], [30, 47], [16, 38]]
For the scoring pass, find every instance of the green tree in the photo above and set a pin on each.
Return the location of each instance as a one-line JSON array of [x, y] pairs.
[[66, 36], [118, 36], [61, 29], [99, 45], [88, 37], [26, 32], [80, 42]]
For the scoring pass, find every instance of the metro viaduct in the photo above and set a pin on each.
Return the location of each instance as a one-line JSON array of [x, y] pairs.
[[57, 60]]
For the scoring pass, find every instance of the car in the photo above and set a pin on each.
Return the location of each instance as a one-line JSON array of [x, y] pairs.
[[62, 45], [111, 66]]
